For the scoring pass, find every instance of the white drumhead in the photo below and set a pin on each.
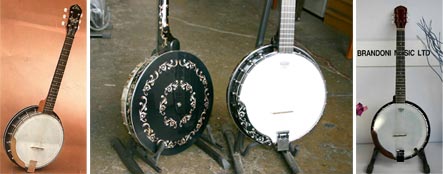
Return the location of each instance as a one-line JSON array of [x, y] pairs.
[[38, 138], [285, 92], [401, 119]]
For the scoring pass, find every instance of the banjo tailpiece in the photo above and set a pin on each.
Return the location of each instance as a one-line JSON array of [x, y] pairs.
[[283, 141], [400, 156]]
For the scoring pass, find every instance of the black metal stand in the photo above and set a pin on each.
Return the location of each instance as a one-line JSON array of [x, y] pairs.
[[237, 149], [421, 155], [370, 167], [127, 153], [263, 23]]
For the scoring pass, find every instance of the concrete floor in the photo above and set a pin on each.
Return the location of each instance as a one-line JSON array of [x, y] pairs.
[[220, 33]]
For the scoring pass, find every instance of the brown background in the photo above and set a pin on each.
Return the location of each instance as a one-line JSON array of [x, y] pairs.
[[31, 40]]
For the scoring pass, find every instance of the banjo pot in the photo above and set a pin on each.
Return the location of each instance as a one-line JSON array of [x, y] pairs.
[[34, 136], [270, 92], [277, 90], [400, 130], [167, 99]]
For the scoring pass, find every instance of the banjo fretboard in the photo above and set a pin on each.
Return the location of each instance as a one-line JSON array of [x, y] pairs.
[[58, 75], [400, 80], [287, 26]]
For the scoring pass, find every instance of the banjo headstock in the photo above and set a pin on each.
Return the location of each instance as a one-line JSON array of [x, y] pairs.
[[400, 18], [74, 19]]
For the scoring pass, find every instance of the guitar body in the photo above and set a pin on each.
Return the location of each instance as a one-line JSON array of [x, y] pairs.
[[33, 136], [402, 126]]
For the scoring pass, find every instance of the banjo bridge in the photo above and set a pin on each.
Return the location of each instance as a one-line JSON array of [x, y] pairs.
[[37, 148], [399, 135], [282, 112]]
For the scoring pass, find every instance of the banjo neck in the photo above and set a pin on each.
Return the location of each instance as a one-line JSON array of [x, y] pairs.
[[400, 76], [287, 26], [58, 75], [165, 40], [71, 28]]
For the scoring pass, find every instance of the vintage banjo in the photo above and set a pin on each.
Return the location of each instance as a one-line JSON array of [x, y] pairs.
[[276, 90], [167, 100], [34, 136], [400, 129]]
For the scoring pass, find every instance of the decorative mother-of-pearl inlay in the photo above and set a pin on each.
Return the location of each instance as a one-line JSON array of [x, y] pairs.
[[168, 121]]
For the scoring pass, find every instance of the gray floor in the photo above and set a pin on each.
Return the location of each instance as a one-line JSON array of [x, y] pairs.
[[220, 33]]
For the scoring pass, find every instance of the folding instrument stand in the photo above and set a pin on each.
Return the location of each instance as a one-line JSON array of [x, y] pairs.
[[237, 149], [206, 142], [421, 155]]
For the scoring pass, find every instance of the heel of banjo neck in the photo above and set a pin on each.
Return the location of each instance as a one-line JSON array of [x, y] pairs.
[[41, 105]]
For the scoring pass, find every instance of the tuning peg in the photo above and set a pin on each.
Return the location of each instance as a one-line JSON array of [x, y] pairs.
[[64, 16], [63, 23], [65, 10], [80, 21], [81, 16], [78, 28]]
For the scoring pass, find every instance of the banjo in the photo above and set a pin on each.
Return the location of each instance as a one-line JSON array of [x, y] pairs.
[[277, 89], [167, 101], [34, 136], [400, 129]]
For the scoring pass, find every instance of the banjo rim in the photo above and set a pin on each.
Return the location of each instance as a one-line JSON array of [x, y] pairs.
[[265, 50], [11, 129], [127, 103], [386, 152]]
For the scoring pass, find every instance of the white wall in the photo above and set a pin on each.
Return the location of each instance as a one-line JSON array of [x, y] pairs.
[[375, 75], [375, 17]]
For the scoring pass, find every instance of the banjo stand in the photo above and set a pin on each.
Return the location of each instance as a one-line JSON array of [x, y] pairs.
[[128, 152], [421, 155], [236, 145], [206, 142]]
